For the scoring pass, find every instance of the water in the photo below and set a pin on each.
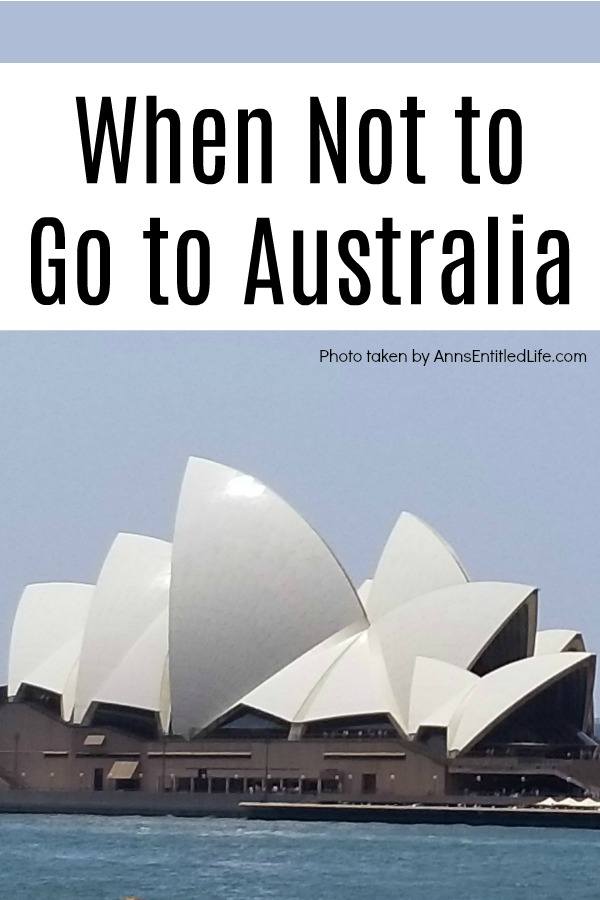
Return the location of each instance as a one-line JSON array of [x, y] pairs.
[[81, 857]]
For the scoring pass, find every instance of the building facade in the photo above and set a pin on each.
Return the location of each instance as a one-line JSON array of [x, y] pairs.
[[239, 661]]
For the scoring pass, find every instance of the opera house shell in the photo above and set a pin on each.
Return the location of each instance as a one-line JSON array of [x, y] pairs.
[[246, 625]]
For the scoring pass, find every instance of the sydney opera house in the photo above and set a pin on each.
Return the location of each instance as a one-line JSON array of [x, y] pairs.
[[240, 661]]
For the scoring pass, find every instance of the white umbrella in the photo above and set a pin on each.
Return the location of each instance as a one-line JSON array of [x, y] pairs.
[[588, 803], [548, 801]]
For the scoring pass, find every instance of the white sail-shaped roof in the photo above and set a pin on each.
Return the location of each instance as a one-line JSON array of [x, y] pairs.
[[126, 637], [143, 671], [46, 638], [250, 608], [353, 675], [284, 693], [558, 640], [454, 625], [501, 692], [253, 587], [415, 561], [436, 689], [356, 684], [364, 591]]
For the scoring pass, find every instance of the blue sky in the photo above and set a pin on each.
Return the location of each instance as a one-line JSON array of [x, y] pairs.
[[503, 460]]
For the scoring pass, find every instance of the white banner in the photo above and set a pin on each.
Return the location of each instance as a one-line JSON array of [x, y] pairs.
[[485, 220]]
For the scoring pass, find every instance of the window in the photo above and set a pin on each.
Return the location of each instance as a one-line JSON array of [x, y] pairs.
[[201, 782], [291, 785], [143, 723], [245, 723], [127, 784], [332, 784], [218, 785], [369, 783], [254, 785], [98, 779], [508, 645], [309, 785], [358, 727]]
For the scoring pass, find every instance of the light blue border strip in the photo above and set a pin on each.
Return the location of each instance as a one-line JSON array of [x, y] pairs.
[[300, 32]]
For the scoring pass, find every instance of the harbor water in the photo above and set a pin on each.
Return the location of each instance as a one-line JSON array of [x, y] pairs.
[[103, 858]]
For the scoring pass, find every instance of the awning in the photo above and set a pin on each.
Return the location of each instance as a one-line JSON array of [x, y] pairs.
[[568, 801], [94, 740], [123, 768]]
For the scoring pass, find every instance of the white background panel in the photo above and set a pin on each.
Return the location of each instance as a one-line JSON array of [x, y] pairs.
[[41, 174]]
